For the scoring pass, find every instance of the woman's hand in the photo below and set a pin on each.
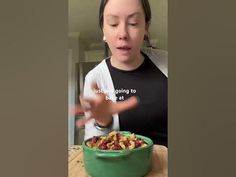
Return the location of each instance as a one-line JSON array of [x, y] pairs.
[[101, 109]]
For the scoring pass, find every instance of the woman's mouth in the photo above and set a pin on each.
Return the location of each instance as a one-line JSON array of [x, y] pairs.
[[124, 50]]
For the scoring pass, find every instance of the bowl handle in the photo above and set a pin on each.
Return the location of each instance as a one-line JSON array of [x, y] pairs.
[[113, 155], [125, 132]]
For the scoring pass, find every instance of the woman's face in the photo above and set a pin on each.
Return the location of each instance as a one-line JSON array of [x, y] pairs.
[[124, 28]]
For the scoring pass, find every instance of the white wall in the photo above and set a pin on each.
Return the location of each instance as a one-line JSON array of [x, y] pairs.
[[73, 58], [71, 97]]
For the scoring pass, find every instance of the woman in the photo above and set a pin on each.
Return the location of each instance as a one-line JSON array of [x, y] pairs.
[[127, 91]]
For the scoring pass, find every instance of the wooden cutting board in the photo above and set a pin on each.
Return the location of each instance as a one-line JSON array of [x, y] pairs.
[[159, 168]]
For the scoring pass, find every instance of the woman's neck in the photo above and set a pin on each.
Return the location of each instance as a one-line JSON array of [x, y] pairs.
[[129, 65]]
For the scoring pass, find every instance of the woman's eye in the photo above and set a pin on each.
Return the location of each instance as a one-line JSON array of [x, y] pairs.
[[133, 24], [113, 25]]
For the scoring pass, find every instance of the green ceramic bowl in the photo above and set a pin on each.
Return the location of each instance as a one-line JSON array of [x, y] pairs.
[[119, 163]]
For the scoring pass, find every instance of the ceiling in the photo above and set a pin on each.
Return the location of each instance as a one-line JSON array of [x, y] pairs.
[[83, 18]]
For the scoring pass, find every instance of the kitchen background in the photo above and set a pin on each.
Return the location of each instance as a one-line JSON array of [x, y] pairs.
[[86, 48]]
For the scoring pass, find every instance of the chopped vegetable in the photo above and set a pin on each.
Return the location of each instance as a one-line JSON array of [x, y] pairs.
[[116, 141]]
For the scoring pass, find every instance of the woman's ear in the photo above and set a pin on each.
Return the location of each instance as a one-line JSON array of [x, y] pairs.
[[104, 38]]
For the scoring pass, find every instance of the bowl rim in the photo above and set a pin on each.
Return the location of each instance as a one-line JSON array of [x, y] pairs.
[[147, 140]]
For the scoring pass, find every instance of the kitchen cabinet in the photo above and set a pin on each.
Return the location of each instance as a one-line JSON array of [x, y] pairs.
[[92, 58]]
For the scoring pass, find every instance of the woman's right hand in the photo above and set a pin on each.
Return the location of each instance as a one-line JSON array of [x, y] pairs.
[[101, 109]]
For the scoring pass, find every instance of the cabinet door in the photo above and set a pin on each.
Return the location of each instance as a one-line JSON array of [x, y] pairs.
[[83, 69]]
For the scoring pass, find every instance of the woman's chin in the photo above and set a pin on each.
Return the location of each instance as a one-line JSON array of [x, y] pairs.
[[123, 58]]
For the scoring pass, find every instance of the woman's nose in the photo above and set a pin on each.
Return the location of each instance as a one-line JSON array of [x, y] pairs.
[[123, 32]]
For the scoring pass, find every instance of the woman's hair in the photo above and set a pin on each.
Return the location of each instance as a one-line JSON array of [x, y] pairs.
[[145, 5], [147, 13]]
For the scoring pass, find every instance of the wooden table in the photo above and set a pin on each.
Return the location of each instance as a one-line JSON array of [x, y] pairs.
[[76, 164]]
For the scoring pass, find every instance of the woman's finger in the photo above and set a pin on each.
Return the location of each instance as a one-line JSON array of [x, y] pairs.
[[124, 105], [96, 89], [86, 103], [99, 92], [82, 121], [77, 110]]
